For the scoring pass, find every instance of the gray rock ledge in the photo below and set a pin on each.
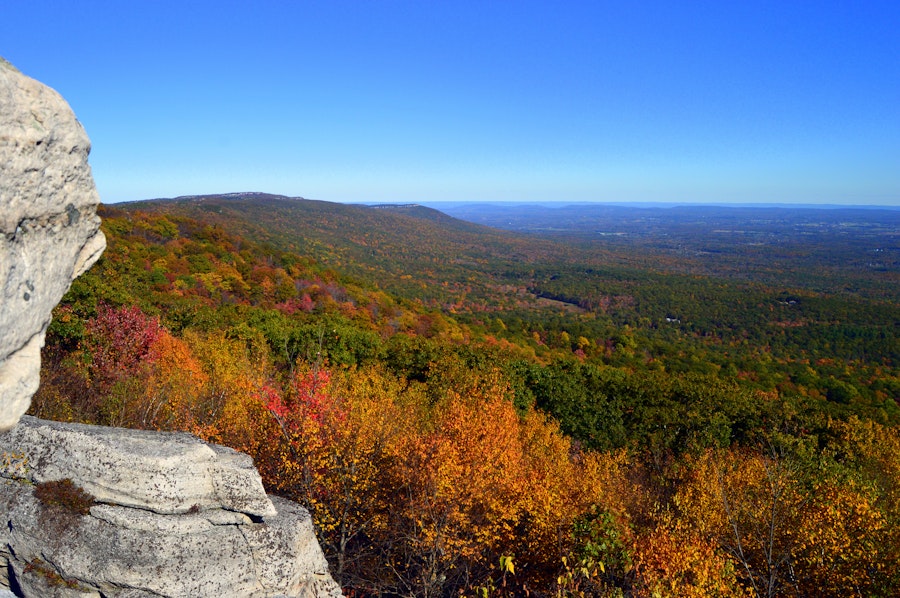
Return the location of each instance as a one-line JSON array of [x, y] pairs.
[[145, 537], [164, 472]]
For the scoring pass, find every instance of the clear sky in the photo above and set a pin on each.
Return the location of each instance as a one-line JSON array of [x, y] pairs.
[[427, 100]]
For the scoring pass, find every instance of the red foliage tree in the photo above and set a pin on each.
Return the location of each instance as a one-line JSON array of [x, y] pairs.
[[119, 341]]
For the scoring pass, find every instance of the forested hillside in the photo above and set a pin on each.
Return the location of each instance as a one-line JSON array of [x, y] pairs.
[[466, 410]]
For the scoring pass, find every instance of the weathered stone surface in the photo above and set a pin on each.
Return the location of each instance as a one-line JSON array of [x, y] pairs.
[[164, 472], [49, 231], [125, 546], [286, 552]]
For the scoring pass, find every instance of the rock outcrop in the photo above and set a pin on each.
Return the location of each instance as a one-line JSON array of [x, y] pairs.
[[173, 516], [49, 230]]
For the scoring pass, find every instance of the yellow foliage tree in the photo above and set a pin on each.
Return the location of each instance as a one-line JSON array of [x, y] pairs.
[[789, 530], [228, 411], [674, 560]]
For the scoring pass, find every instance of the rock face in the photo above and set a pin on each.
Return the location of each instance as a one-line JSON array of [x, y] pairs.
[[173, 516], [48, 226]]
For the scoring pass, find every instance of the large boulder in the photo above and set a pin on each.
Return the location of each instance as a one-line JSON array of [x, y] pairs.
[[49, 230], [173, 516]]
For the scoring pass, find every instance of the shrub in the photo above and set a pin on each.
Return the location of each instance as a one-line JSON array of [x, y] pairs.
[[50, 575], [66, 494]]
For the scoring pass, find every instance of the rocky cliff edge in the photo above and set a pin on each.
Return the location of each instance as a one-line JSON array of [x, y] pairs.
[[146, 514], [94, 512]]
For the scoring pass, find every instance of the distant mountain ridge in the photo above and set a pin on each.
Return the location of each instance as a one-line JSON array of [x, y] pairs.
[[331, 217], [403, 245], [234, 196], [407, 249]]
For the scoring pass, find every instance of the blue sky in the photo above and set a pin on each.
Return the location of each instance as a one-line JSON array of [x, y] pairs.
[[375, 101]]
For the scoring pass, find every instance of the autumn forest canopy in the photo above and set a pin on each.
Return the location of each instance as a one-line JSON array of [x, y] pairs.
[[592, 402]]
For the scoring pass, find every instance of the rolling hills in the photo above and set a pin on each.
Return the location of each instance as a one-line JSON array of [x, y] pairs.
[[442, 394], [683, 296]]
